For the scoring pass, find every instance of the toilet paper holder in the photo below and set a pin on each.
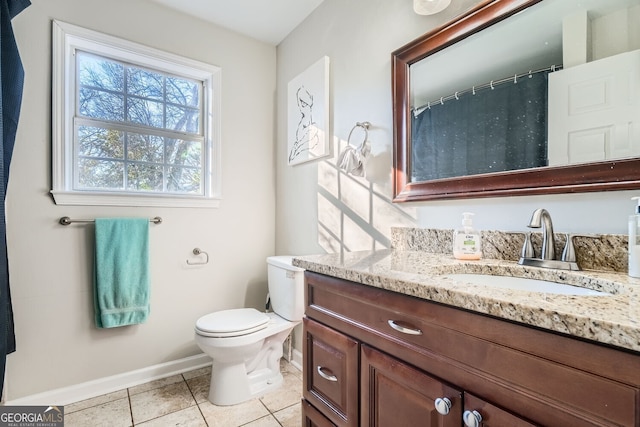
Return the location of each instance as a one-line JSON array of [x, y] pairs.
[[198, 252]]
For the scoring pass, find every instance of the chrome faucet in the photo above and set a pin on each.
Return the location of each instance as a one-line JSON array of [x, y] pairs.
[[542, 219]]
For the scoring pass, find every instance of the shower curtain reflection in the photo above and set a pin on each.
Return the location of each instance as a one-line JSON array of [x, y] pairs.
[[496, 129]]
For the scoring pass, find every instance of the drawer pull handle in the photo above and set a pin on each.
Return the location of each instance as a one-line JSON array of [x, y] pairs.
[[443, 405], [472, 418], [404, 329], [328, 377]]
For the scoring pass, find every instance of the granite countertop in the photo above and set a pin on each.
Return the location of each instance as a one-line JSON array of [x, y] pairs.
[[613, 319]]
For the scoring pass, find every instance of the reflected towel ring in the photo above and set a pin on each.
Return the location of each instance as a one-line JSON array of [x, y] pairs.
[[363, 125], [198, 251]]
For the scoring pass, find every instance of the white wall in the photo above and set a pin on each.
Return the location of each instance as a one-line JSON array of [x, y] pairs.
[[51, 265], [319, 209], [359, 36]]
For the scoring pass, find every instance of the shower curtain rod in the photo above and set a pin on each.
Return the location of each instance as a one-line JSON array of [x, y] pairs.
[[65, 220], [490, 84]]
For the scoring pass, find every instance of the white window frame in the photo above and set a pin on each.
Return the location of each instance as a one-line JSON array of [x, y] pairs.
[[67, 38]]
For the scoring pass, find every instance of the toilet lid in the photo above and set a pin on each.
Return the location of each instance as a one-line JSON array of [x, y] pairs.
[[232, 323]]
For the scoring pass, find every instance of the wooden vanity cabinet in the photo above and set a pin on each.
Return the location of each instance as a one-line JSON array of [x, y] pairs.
[[330, 378], [394, 393], [379, 358]]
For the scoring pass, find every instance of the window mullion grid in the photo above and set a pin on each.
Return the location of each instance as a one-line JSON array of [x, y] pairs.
[[202, 109], [165, 168], [125, 171], [143, 130], [128, 128]]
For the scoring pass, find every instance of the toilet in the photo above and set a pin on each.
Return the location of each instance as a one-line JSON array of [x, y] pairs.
[[246, 344]]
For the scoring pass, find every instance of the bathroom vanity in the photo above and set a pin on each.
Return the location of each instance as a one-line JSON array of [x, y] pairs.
[[391, 341]]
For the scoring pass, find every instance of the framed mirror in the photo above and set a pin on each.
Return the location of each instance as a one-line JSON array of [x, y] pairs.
[[447, 84]]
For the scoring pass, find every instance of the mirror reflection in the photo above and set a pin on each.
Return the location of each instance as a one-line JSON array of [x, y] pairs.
[[556, 84]]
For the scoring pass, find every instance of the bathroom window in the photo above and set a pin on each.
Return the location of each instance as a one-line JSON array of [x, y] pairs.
[[132, 126]]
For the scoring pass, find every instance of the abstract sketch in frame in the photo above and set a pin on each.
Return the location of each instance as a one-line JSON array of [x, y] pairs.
[[308, 114]]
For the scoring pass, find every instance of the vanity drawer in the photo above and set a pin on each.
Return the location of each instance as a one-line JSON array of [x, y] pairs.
[[549, 379], [330, 379], [311, 417]]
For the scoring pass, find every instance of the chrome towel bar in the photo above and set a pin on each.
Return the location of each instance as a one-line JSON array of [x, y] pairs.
[[65, 220]]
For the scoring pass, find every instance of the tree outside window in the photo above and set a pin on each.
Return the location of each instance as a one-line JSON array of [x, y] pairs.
[[132, 125]]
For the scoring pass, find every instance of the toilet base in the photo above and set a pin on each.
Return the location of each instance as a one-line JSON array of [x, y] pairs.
[[233, 383], [257, 384]]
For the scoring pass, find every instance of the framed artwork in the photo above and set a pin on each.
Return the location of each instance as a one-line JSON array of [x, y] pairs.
[[308, 114]]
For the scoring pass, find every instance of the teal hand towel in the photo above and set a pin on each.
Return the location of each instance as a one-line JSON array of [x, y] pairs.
[[121, 294]]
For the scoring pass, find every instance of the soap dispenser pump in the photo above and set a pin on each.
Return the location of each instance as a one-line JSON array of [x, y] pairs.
[[466, 240], [634, 240]]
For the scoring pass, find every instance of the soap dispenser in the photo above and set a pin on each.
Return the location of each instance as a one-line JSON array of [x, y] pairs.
[[634, 241], [466, 240]]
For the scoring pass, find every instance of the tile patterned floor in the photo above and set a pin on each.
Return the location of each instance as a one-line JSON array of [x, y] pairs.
[[181, 400]]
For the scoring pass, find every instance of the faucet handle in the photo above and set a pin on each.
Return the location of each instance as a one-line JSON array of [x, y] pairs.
[[569, 251], [527, 248]]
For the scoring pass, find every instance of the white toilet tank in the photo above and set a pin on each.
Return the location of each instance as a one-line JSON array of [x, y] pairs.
[[286, 287]]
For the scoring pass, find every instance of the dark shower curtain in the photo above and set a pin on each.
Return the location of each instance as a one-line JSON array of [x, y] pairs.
[[11, 82], [499, 129]]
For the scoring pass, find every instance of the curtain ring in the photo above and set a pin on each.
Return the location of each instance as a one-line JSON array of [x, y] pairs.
[[456, 95], [429, 105], [530, 74], [363, 125], [473, 90], [441, 100], [515, 78], [491, 84]]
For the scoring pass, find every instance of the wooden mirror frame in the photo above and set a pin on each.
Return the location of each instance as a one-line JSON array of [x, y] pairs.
[[621, 174]]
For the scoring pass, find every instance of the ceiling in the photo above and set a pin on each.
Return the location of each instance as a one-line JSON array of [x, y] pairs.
[[269, 21]]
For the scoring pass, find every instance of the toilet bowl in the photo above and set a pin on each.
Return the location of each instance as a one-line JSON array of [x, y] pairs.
[[246, 344]]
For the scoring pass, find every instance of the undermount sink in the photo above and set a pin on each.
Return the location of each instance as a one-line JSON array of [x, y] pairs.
[[524, 284]]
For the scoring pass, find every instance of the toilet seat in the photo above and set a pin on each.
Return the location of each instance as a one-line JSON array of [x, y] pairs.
[[232, 323]]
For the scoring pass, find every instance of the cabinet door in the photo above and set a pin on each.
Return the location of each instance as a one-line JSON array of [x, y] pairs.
[[311, 417], [395, 394], [330, 381], [478, 413]]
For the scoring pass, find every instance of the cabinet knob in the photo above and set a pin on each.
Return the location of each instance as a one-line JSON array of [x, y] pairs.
[[472, 418], [326, 376], [443, 405], [404, 329]]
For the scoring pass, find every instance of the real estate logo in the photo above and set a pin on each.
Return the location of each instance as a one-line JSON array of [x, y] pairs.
[[31, 416]]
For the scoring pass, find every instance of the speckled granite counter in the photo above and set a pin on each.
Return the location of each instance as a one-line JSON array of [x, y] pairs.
[[613, 320]]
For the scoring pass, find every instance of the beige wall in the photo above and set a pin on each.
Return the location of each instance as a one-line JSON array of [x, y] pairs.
[[51, 265], [319, 209]]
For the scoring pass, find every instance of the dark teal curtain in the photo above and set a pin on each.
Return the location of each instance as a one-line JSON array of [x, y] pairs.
[[499, 129], [11, 82]]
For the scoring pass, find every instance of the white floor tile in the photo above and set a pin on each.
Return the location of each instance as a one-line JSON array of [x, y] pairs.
[[181, 400]]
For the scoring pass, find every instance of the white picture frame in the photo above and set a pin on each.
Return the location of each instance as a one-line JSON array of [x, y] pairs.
[[308, 114]]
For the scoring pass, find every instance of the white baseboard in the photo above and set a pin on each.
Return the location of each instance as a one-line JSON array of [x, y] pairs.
[[89, 389], [296, 360]]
